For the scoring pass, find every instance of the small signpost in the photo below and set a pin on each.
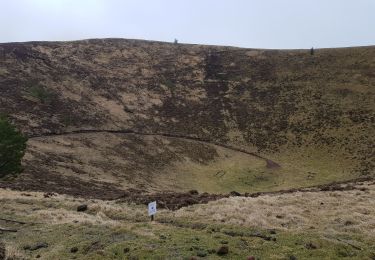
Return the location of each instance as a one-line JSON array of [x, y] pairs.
[[152, 209]]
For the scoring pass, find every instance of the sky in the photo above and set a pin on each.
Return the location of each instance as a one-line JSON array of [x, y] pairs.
[[270, 24]]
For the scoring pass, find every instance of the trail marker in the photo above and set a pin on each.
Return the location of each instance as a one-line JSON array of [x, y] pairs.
[[152, 209]]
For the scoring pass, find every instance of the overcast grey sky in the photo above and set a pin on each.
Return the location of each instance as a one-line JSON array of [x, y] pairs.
[[245, 23]]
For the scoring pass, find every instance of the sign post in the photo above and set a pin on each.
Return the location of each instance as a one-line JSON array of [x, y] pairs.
[[152, 209]]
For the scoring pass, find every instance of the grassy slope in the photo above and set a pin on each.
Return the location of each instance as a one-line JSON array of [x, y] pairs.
[[312, 114], [109, 227]]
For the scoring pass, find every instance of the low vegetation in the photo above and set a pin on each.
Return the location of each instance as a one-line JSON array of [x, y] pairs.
[[40, 94], [266, 227]]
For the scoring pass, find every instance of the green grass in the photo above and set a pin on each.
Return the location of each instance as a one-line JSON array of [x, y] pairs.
[[41, 94], [163, 241], [236, 172], [127, 233]]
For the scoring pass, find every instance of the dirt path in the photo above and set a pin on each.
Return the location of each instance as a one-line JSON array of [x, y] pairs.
[[269, 163]]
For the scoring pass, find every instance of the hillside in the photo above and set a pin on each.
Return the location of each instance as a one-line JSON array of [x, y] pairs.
[[105, 116]]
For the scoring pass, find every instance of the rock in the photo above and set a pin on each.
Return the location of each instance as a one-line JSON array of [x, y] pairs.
[[193, 192], [74, 250], [2, 251], [49, 194], [126, 250], [82, 207], [202, 253], [223, 250], [234, 194], [310, 245], [38, 246]]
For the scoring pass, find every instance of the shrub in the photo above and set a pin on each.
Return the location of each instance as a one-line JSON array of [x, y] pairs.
[[41, 94], [12, 148]]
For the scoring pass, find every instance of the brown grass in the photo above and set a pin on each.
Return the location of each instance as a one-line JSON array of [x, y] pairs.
[[327, 212]]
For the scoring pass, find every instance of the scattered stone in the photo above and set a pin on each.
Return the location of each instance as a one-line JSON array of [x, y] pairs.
[[82, 207], [202, 253], [267, 238], [223, 250], [234, 194], [74, 250], [49, 194], [193, 192], [310, 245], [38, 246], [126, 250]]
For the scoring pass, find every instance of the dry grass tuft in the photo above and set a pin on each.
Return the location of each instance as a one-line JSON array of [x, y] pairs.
[[13, 253], [338, 212]]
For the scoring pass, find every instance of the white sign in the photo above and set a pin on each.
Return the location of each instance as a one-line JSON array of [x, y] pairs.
[[152, 208]]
